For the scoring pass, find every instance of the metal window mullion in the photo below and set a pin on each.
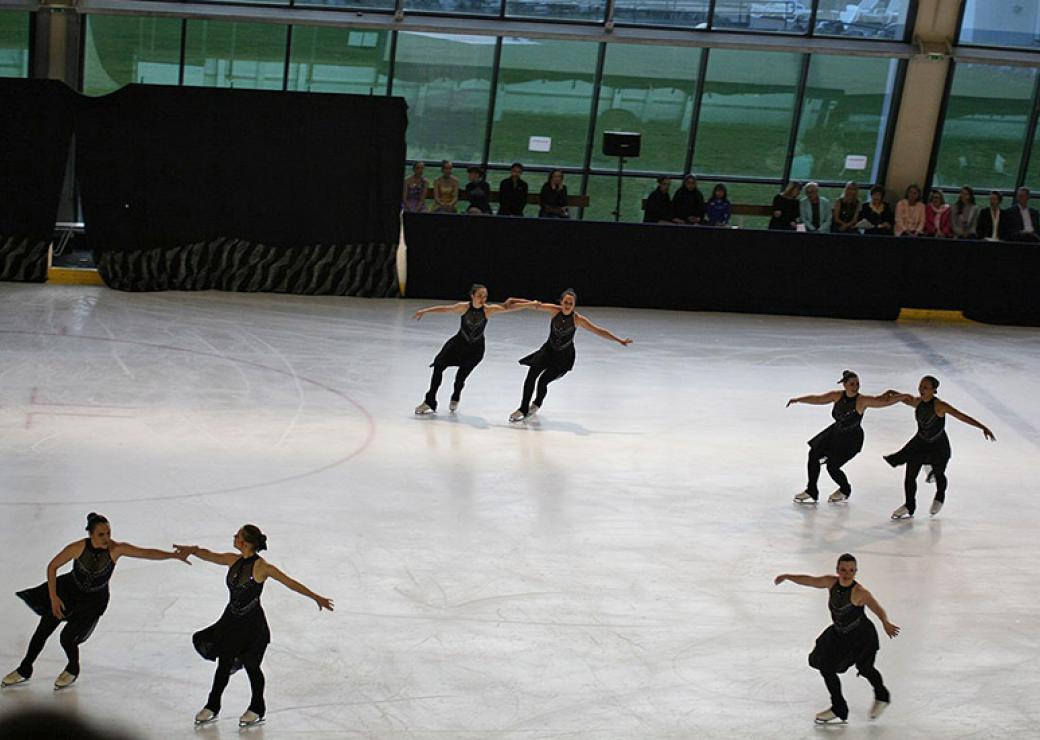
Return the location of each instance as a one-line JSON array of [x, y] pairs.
[[812, 18], [960, 21], [711, 15], [288, 57], [608, 14], [492, 101], [183, 51], [796, 116], [698, 97], [1027, 150], [597, 83], [391, 66]]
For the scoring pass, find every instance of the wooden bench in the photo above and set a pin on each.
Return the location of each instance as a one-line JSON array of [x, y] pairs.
[[743, 209], [534, 199]]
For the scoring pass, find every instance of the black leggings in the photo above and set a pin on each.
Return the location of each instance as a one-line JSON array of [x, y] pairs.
[[864, 668], [833, 470], [438, 375], [542, 376], [220, 682], [913, 469], [70, 640]]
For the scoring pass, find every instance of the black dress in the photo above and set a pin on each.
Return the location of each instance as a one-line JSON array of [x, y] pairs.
[[842, 440], [241, 634], [850, 639], [866, 213], [83, 591], [930, 446], [687, 204], [466, 347], [558, 351], [790, 211]]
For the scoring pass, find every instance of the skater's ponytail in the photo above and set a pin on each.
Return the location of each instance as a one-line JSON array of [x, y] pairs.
[[846, 376], [252, 534], [931, 380], [93, 520]]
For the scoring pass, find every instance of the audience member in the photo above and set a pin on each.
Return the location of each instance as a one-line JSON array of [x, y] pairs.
[[910, 213], [512, 193], [688, 203], [554, 197], [846, 210], [478, 192], [965, 212], [658, 209], [445, 190], [991, 224], [878, 213], [413, 199], [937, 216], [815, 209], [786, 209], [1022, 221], [717, 210]]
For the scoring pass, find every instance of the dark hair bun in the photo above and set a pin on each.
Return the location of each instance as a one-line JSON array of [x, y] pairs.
[[262, 545], [94, 519]]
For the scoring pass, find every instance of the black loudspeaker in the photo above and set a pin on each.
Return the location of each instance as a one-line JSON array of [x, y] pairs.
[[621, 143]]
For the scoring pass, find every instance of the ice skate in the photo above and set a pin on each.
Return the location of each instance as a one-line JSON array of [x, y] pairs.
[[423, 408], [936, 507], [64, 680], [877, 708], [838, 497], [804, 498], [517, 415], [453, 405], [532, 411], [205, 716], [249, 719], [902, 513], [13, 679], [827, 717]]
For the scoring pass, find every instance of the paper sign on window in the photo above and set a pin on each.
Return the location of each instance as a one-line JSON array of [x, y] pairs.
[[856, 162], [539, 144]]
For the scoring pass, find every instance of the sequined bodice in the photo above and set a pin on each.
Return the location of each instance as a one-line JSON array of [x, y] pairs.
[[243, 591], [930, 425], [845, 414], [844, 614], [561, 331], [472, 325], [92, 570]]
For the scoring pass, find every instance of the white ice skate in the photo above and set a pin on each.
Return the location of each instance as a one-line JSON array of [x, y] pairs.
[[249, 719], [804, 498], [423, 408], [517, 415], [13, 679], [205, 716], [532, 410], [902, 513], [64, 680], [827, 717], [838, 497], [877, 708], [936, 507], [453, 405]]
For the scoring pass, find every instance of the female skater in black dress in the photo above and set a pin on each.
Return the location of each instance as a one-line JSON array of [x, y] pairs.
[[78, 597], [555, 358], [842, 440], [465, 350], [240, 637], [851, 640], [930, 446]]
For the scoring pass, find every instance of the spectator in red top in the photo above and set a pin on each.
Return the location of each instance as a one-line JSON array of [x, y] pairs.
[[937, 217]]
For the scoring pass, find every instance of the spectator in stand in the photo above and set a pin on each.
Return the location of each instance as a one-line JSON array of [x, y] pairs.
[[445, 190], [688, 203], [846, 210], [992, 223], [554, 197], [658, 209], [964, 215], [478, 192], [815, 209], [786, 209], [413, 198], [878, 213], [512, 193], [937, 217], [910, 213], [717, 211], [1023, 222]]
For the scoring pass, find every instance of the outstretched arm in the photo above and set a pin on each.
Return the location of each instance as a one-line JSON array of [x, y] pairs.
[[536, 305], [220, 558], [449, 308], [867, 599], [820, 400], [810, 581], [492, 308], [886, 399], [599, 331], [269, 571], [959, 416], [125, 549]]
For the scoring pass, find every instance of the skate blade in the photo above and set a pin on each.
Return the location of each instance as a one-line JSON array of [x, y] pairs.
[[809, 502], [835, 722], [204, 722], [15, 683], [243, 725]]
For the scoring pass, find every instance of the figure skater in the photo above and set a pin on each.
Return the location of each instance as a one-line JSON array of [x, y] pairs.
[[240, 637], [465, 350], [78, 597], [555, 358], [930, 446], [851, 640], [842, 440]]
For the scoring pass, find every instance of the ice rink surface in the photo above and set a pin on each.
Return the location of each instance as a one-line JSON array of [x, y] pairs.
[[602, 572]]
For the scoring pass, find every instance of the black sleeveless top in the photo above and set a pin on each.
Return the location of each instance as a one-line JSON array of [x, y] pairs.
[[244, 592], [846, 417], [472, 324], [561, 331], [92, 570], [930, 426], [845, 615]]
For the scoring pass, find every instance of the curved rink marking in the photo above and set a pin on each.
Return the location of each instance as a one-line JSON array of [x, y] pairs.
[[369, 423]]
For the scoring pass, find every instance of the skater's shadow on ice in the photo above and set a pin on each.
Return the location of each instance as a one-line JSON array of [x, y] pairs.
[[477, 422], [546, 425]]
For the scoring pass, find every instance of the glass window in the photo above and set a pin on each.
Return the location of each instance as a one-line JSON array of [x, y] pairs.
[[845, 111], [469, 7], [985, 126], [746, 113], [446, 80], [776, 16], [603, 197], [339, 60], [359, 4], [543, 102], [592, 11], [692, 13], [240, 55], [650, 93], [124, 49], [1001, 23], [14, 44], [1032, 173], [747, 194], [875, 19]]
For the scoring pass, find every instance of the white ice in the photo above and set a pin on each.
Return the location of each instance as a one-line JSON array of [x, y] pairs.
[[603, 572]]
